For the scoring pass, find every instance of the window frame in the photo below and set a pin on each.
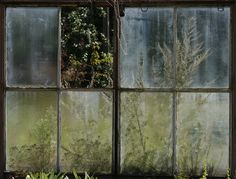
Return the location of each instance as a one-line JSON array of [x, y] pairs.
[[116, 87]]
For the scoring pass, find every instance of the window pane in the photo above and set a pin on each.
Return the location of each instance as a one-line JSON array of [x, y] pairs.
[[86, 131], [31, 123], [32, 46], [203, 132], [146, 137], [86, 49], [146, 36], [203, 50]]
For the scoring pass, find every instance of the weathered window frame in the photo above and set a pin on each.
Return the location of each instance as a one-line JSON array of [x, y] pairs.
[[116, 89]]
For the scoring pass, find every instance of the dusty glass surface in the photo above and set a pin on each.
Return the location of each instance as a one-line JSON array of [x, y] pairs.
[[201, 53], [203, 47], [87, 59], [203, 133], [86, 142], [31, 124], [145, 35], [31, 46], [146, 137]]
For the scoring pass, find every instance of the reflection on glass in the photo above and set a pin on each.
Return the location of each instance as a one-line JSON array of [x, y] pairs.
[[146, 35], [146, 142], [86, 142], [30, 131], [203, 50], [86, 51], [203, 133], [32, 43]]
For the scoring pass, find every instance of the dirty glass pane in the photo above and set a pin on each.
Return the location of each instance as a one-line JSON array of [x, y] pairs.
[[146, 137], [146, 48], [31, 123], [86, 142], [203, 47], [32, 46], [203, 133], [86, 47]]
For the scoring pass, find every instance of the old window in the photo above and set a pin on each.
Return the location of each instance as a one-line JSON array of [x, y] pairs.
[[148, 93], [179, 58], [53, 101]]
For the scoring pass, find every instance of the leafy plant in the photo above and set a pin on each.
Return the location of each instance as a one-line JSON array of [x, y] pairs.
[[86, 144], [228, 174], [42, 175], [40, 155], [85, 177], [86, 57], [52, 175], [188, 56], [181, 176], [136, 140], [205, 174], [92, 155]]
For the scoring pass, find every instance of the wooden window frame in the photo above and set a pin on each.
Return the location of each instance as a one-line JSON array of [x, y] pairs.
[[116, 89]]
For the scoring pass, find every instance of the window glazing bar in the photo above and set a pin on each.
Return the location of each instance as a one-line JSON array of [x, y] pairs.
[[2, 118]]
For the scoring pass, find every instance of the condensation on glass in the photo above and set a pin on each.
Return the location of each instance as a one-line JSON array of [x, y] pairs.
[[146, 35], [31, 123], [86, 139], [203, 47], [203, 133], [146, 133], [31, 47], [87, 59]]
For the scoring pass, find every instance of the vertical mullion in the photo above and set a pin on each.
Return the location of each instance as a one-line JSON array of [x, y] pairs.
[[174, 105], [116, 93], [115, 131], [116, 86], [233, 94], [58, 131], [174, 128], [59, 50], [2, 84], [58, 93]]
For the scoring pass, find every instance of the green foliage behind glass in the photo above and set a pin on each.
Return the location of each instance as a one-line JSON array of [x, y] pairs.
[[39, 156], [86, 140], [192, 149], [86, 60], [146, 144], [188, 56]]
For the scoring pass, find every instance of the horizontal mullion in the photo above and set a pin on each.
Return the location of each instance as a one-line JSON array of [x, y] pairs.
[[216, 90], [121, 2], [30, 89], [87, 89], [55, 3], [58, 89], [177, 2]]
